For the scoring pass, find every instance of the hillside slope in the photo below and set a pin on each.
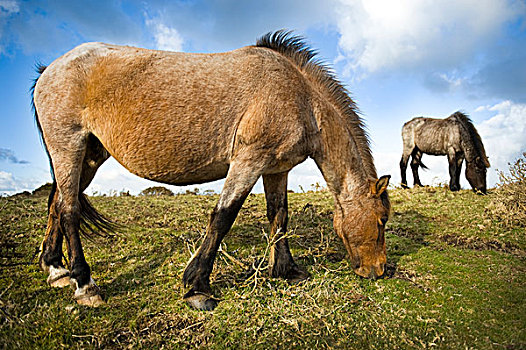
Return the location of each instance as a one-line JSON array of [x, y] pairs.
[[455, 278]]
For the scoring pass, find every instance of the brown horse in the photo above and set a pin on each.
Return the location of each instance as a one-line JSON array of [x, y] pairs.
[[454, 137], [183, 118]]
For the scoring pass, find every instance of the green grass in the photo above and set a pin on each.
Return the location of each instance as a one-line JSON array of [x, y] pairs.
[[455, 279]]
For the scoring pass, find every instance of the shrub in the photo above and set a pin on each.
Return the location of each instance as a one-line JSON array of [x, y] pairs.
[[508, 204], [156, 191], [43, 191]]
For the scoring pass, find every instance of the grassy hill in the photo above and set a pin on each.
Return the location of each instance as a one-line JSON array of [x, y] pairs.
[[455, 278]]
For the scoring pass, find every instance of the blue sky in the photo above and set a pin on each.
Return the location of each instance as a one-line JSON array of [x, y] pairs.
[[399, 59]]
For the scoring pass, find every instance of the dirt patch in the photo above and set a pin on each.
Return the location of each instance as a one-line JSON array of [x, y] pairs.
[[477, 243]]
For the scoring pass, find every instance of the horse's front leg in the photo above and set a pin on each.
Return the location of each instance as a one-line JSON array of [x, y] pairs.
[[239, 182], [281, 263], [460, 159], [68, 210], [454, 180]]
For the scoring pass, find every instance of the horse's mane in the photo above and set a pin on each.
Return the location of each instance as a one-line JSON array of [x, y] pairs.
[[305, 58], [475, 137]]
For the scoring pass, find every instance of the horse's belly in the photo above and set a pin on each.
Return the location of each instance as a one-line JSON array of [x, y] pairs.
[[179, 174], [431, 146], [204, 174], [167, 160], [434, 152]]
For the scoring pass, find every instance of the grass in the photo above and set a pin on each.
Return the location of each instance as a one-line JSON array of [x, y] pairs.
[[455, 279]]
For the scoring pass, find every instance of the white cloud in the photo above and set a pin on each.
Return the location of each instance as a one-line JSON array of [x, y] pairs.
[[384, 34], [113, 178], [504, 135], [9, 6], [228, 24], [166, 38], [47, 27], [10, 184], [7, 182], [9, 155], [7, 9], [305, 176]]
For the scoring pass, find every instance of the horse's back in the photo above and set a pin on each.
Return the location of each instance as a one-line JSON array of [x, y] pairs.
[[170, 116], [432, 135]]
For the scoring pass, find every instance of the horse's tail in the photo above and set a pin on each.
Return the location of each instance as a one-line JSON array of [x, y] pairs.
[[91, 221], [422, 165], [40, 68]]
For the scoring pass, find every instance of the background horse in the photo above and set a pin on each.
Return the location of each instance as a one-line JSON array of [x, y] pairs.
[[454, 137], [183, 118]]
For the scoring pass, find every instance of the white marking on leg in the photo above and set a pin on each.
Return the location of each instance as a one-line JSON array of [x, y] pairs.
[[43, 265], [58, 276], [88, 295], [91, 287]]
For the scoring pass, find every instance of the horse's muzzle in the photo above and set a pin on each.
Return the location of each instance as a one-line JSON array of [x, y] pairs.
[[372, 272]]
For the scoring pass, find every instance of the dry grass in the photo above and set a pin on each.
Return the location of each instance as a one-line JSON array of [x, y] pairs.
[[509, 200]]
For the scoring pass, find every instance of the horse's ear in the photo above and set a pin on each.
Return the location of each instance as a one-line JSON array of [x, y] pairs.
[[379, 186], [484, 162]]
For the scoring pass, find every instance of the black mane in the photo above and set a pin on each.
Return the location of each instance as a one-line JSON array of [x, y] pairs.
[[475, 137], [296, 49]]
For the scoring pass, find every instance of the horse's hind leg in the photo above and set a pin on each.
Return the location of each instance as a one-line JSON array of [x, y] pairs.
[[68, 154], [415, 163], [239, 181], [281, 263], [50, 258]]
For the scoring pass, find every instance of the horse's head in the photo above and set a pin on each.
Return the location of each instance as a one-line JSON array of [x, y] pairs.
[[360, 223], [476, 174]]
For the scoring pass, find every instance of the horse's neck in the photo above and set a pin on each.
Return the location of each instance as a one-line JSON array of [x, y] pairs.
[[468, 145], [338, 157]]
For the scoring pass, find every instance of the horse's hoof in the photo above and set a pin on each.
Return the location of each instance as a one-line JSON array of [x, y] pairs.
[[297, 275], [60, 283], [58, 277], [201, 301], [88, 295], [91, 300]]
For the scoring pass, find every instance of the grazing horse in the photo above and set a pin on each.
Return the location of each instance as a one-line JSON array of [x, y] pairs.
[[184, 118], [454, 137]]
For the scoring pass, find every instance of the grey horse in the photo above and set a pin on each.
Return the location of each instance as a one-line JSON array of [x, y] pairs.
[[454, 137]]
